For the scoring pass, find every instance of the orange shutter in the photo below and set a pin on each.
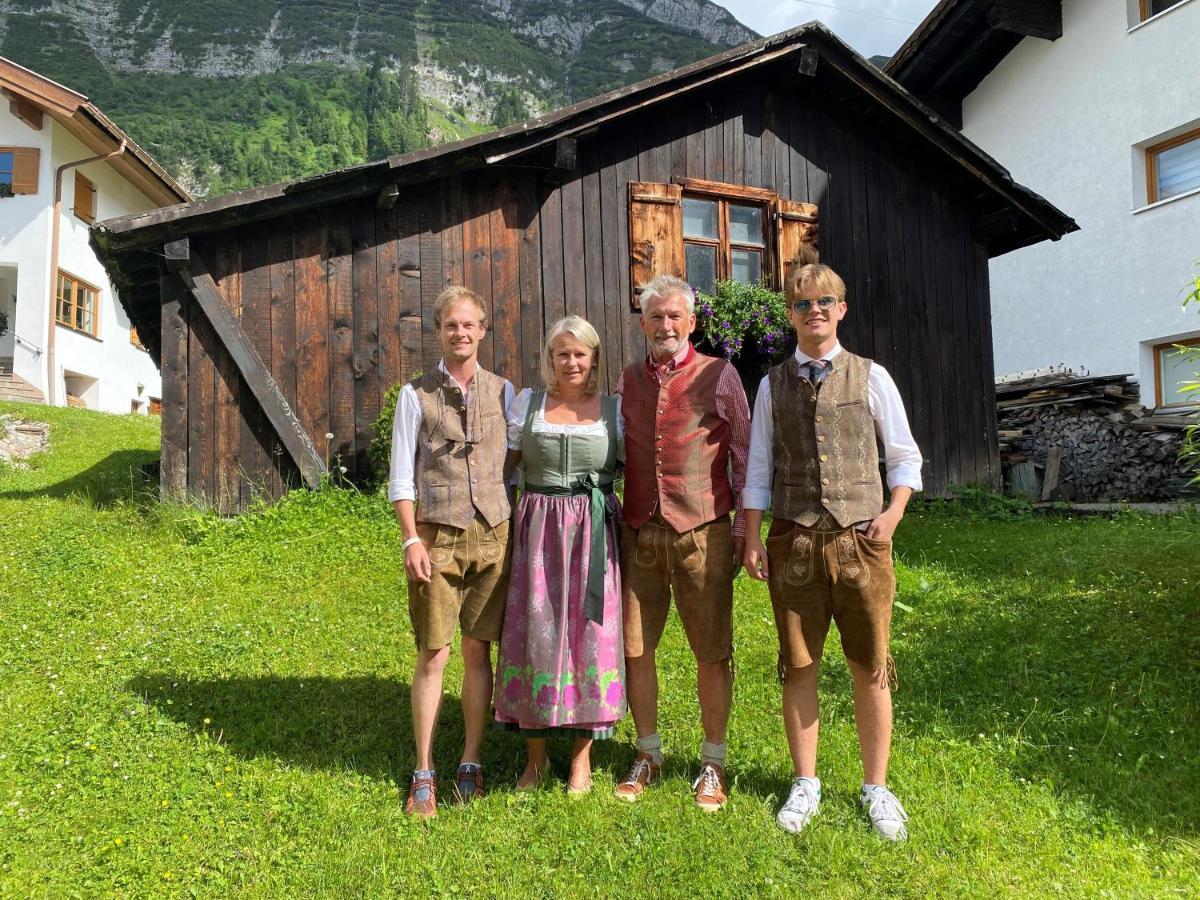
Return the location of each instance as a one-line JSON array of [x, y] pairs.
[[85, 198], [797, 236], [655, 233], [25, 169]]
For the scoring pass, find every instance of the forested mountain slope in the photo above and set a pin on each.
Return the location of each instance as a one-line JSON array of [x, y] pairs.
[[233, 93]]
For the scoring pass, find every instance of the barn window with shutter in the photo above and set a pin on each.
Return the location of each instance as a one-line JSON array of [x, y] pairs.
[[706, 232], [19, 170]]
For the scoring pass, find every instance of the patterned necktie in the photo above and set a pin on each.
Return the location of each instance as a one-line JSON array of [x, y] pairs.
[[817, 370]]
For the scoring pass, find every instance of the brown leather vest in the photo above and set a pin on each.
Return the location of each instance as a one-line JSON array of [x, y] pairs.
[[676, 446], [826, 458], [460, 450]]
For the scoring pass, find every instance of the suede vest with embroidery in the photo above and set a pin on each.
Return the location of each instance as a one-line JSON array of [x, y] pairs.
[[676, 445], [826, 458], [460, 454]]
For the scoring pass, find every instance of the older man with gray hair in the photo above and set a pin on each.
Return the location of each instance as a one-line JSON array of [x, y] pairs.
[[687, 437]]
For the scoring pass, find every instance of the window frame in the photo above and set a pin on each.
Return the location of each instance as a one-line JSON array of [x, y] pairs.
[[1145, 14], [1152, 152], [1166, 347], [90, 215], [11, 172], [80, 284], [739, 195]]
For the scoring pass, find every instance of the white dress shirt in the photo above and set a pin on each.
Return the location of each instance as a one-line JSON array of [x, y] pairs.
[[901, 454], [406, 430]]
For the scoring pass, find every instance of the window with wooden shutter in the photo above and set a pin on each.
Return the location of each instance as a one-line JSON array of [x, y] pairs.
[[85, 198], [796, 234], [19, 170], [655, 233], [706, 232]]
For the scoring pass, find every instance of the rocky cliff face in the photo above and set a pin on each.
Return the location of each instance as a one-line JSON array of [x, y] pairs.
[[247, 90]]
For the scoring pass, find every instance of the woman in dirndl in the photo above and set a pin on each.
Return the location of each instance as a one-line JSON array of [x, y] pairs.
[[561, 667]]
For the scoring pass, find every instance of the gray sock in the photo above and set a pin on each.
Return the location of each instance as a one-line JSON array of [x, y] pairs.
[[713, 753], [651, 745]]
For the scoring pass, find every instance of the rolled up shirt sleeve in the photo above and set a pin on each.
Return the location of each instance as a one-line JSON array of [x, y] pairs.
[[902, 457], [517, 410], [406, 426], [760, 469]]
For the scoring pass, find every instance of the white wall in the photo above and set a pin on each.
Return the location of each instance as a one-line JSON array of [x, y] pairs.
[[1069, 119], [25, 247], [25, 237]]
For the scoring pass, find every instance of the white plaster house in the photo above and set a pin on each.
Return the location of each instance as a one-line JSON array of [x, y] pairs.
[[1096, 105], [64, 165]]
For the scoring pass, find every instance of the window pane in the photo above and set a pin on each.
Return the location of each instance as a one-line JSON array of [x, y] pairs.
[[745, 266], [1157, 6], [701, 266], [1175, 369], [745, 225], [699, 218], [1178, 169], [6, 162]]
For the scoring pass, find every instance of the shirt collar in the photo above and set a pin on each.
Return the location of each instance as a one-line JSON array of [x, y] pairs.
[[803, 358], [679, 359], [454, 381]]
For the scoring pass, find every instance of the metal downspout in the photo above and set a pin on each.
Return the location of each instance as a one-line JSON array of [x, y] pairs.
[[55, 228]]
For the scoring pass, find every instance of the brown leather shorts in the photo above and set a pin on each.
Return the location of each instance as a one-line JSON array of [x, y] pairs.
[[817, 575], [698, 567], [469, 586]]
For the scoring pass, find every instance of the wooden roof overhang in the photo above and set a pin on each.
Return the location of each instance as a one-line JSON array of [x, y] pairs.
[[92, 128], [961, 41], [1005, 215]]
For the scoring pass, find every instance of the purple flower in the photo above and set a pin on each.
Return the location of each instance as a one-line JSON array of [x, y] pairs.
[[547, 696], [614, 694], [570, 696], [512, 690]]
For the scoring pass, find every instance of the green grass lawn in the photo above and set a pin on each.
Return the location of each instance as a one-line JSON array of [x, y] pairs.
[[191, 706]]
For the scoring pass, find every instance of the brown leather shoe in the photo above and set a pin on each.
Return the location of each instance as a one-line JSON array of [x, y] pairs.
[[710, 787], [468, 783], [422, 795], [641, 775]]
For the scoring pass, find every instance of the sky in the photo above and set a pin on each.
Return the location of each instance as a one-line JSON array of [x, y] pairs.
[[872, 27]]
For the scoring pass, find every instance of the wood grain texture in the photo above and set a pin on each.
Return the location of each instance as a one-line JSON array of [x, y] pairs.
[[364, 240], [283, 342], [174, 371], [227, 421], [312, 329], [506, 280], [479, 201]]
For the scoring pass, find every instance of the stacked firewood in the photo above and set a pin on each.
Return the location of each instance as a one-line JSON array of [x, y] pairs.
[[1088, 438]]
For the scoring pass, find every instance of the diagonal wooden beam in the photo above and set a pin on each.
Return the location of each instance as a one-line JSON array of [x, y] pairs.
[[196, 278]]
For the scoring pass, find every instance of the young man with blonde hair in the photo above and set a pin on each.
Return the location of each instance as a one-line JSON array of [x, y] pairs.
[[814, 462], [687, 432], [448, 489]]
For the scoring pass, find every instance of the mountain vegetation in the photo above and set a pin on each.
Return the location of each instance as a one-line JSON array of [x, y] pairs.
[[229, 94]]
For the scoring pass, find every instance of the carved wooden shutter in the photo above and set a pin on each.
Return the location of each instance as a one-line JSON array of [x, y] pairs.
[[655, 233], [25, 170], [796, 233]]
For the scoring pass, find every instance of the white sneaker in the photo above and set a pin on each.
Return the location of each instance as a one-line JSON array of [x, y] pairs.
[[801, 804], [885, 812]]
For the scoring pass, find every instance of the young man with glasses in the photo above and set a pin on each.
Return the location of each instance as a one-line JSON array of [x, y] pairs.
[[828, 556]]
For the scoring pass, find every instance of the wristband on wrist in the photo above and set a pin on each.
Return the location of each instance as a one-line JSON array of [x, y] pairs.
[[410, 542]]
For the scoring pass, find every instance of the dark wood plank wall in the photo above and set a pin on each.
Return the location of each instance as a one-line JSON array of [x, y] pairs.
[[339, 301]]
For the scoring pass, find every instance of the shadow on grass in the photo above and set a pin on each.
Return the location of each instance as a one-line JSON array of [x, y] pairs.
[[362, 724], [122, 476], [1094, 678]]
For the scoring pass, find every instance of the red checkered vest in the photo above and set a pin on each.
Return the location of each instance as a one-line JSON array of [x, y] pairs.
[[676, 446]]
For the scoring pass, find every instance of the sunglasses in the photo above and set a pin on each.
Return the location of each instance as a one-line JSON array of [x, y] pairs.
[[822, 303]]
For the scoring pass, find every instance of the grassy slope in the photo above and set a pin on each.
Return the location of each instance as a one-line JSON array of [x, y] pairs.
[[195, 705]]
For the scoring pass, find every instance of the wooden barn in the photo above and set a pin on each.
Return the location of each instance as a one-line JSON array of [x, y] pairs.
[[282, 315]]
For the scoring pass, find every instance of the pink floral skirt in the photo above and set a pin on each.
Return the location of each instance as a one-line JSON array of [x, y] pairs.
[[557, 669]]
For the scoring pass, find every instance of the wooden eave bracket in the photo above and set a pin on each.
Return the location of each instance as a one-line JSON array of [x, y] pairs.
[[194, 273]]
